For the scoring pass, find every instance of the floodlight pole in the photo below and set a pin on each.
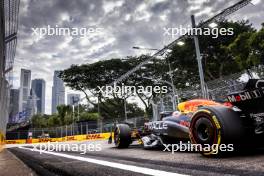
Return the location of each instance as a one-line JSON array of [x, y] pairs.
[[173, 90], [125, 108], [199, 59]]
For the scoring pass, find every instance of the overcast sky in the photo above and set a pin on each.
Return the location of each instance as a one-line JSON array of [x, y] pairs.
[[125, 23]]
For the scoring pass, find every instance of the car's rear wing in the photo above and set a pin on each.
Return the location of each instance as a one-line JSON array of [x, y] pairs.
[[251, 99]]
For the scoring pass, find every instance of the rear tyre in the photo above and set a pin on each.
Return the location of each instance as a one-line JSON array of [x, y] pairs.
[[217, 129], [122, 136]]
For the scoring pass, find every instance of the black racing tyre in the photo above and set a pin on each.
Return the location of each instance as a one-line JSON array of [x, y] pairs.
[[122, 136], [217, 129]]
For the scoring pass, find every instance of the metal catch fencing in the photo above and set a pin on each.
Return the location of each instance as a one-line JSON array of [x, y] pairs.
[[219, 88], [80, 128]]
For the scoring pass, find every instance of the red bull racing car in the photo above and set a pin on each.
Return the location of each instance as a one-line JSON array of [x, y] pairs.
[[239, 121]]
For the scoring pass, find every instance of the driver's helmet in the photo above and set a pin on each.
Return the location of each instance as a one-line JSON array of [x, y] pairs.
[[176, 114]]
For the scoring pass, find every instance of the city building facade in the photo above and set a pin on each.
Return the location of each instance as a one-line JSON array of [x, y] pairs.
[[14, 105], [31, 107], [58, 92], [24, 92], [38, 87]]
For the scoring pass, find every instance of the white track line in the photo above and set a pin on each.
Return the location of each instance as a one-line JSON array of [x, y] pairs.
[[132, 168]]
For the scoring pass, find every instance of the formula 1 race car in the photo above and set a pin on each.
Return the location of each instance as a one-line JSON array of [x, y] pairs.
[[239, 121]]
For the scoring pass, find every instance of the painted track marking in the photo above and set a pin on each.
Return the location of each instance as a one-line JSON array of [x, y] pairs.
[[131, 168]]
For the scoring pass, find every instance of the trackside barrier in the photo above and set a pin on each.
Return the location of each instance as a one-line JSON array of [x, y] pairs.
[[19, 141], [88, 137], [2, 141]]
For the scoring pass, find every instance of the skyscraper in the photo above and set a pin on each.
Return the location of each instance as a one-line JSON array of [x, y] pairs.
[[14, 105], [38, 87], [24, 92], [73, 99], [31, 108], [58, 92]]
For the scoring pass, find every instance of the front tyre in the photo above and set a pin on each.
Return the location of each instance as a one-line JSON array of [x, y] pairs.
[[122, 136], [216, 129]]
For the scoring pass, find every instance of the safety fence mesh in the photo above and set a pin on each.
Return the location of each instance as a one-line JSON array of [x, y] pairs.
[[219, 88]]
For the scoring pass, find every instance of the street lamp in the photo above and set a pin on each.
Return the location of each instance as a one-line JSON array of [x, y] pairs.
[[143, 48], [169, 50], [170, 72], [180, 43], [174, 102], [125, 108], [199, 60], [255, 2], [136, 47], [213, 25]]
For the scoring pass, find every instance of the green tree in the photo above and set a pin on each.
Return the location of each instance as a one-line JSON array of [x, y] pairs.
[[117, 109], [216, 57], [63, 111], [54, 120], [39, 121], [88, 116], [248, 49], [88, 77]]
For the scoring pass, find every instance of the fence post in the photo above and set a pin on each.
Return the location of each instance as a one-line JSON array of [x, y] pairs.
[[61, 131], [66, 130], [71, 129], [86, 128]]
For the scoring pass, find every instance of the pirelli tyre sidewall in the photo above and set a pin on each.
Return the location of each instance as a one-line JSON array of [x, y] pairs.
[[216, 125], [122, 136]]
